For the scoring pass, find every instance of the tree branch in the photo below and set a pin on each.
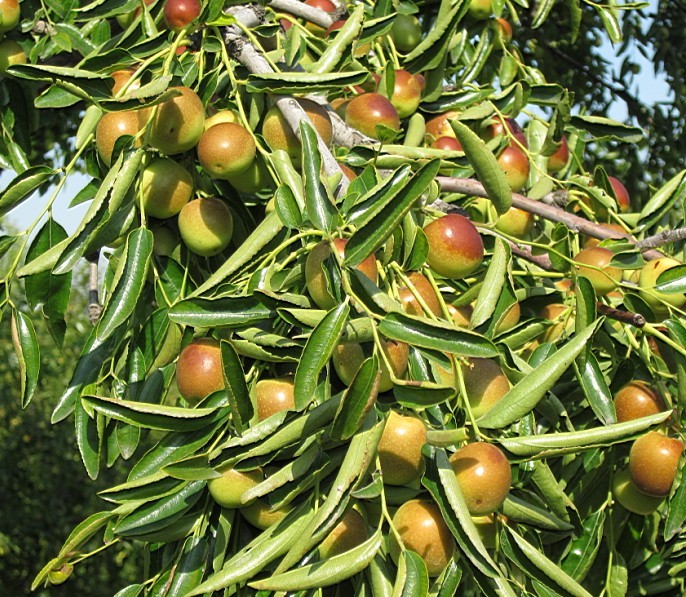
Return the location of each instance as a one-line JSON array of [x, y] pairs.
[[300, 9], [662, 238], [94, 308]]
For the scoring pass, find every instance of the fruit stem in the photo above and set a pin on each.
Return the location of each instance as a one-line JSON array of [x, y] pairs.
[[653, 331]]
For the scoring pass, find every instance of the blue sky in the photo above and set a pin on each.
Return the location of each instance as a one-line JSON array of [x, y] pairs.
[[647, 87]]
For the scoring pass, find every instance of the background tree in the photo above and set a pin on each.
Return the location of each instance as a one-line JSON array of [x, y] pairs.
[[317, 242]]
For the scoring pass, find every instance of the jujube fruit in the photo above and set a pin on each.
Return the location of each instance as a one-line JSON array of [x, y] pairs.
[[621, 194], [516, 166], [273, 396], [406, 32], [226, 149], [485, 384], [400, 449], [199, 371], [484, 476], [455, 246], [637, 399], [166, 186], [181, 13], [206, 226], [425, 290], [228, 489], [657, 299], [111, 127], [407, 94], [10, 13], [348, 357], [11, 53], [604, 279], [422, 529], [515, 222], [628, 495], [364, 112], [653, 463], [351, 531]]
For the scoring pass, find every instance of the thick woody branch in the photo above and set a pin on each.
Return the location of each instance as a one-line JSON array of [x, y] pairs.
[[662, 238], [468, 186], [300, 9], [243, 51]]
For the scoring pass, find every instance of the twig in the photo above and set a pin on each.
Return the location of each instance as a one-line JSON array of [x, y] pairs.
[[635, 319], [300, 9], [662, 238], [469, 186], [94, 308], [248, 55]]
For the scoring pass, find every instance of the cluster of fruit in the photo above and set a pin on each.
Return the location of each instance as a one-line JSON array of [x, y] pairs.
[[11, 51], [354, 377]]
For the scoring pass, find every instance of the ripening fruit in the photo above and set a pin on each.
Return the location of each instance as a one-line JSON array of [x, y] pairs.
[[228, 489], [206, 226], [226, 149], [425, 290], [11, 53], [509, 319], [447, 144], [553, 312], [406, 93], [558, 160], [400, 449], [315, 278], [122, 77], [627, 494], [485, 384], [621, 194], [10, 13], [166, 186], [278, 134], [455, 246], [653, 463], [504, 28], [178, 14], [367, 110], [590, 241], [461, 315], [221, 116], [406, 32], [348, 357], [178, 123], [515, 164], [637, 399], [199, 371], [647, 280], [515, 222], [439, 126], [607, 277], [422, 529], [507, 127], [112, 126], [484, 476], [273, 396], [325, 5], [351, 531]]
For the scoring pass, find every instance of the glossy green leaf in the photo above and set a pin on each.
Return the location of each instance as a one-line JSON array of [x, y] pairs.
[[549, 444], [325, 573], [492, 285], [672, 280], [318, 204], [368, 238], [341, 44], [287, 207], [602, 128], [357, 400], [156, 416], [596, 390], [664, 196], [519, 510], [302, 82], [27, 351], [87, 439], [584, 549], [230, 312], [424, 333], [236, 388], [676, 514], [317, 352], [485, 165], [22, 186], [526, 394], [130, 277], [190, 568]]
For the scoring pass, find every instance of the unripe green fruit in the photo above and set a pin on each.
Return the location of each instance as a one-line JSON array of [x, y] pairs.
[[604, 280], [228, 489], [199, 370], [484, 476], [351, 531], [112, 126], [425, 290], [628, 495], [166, 186], [60, 575], [637, 399], [11, 53], [273, 396], [486, 527], [515, 222], [165, 241], [485, 384], [657, 300], [480, 9], [206, 226], [253, 180], [10, 13], [226, 149], [653, 463], [261, 516], [220, 117], [422, 529], [178, 123], [455, 246], [406, 32], [400, 449]]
